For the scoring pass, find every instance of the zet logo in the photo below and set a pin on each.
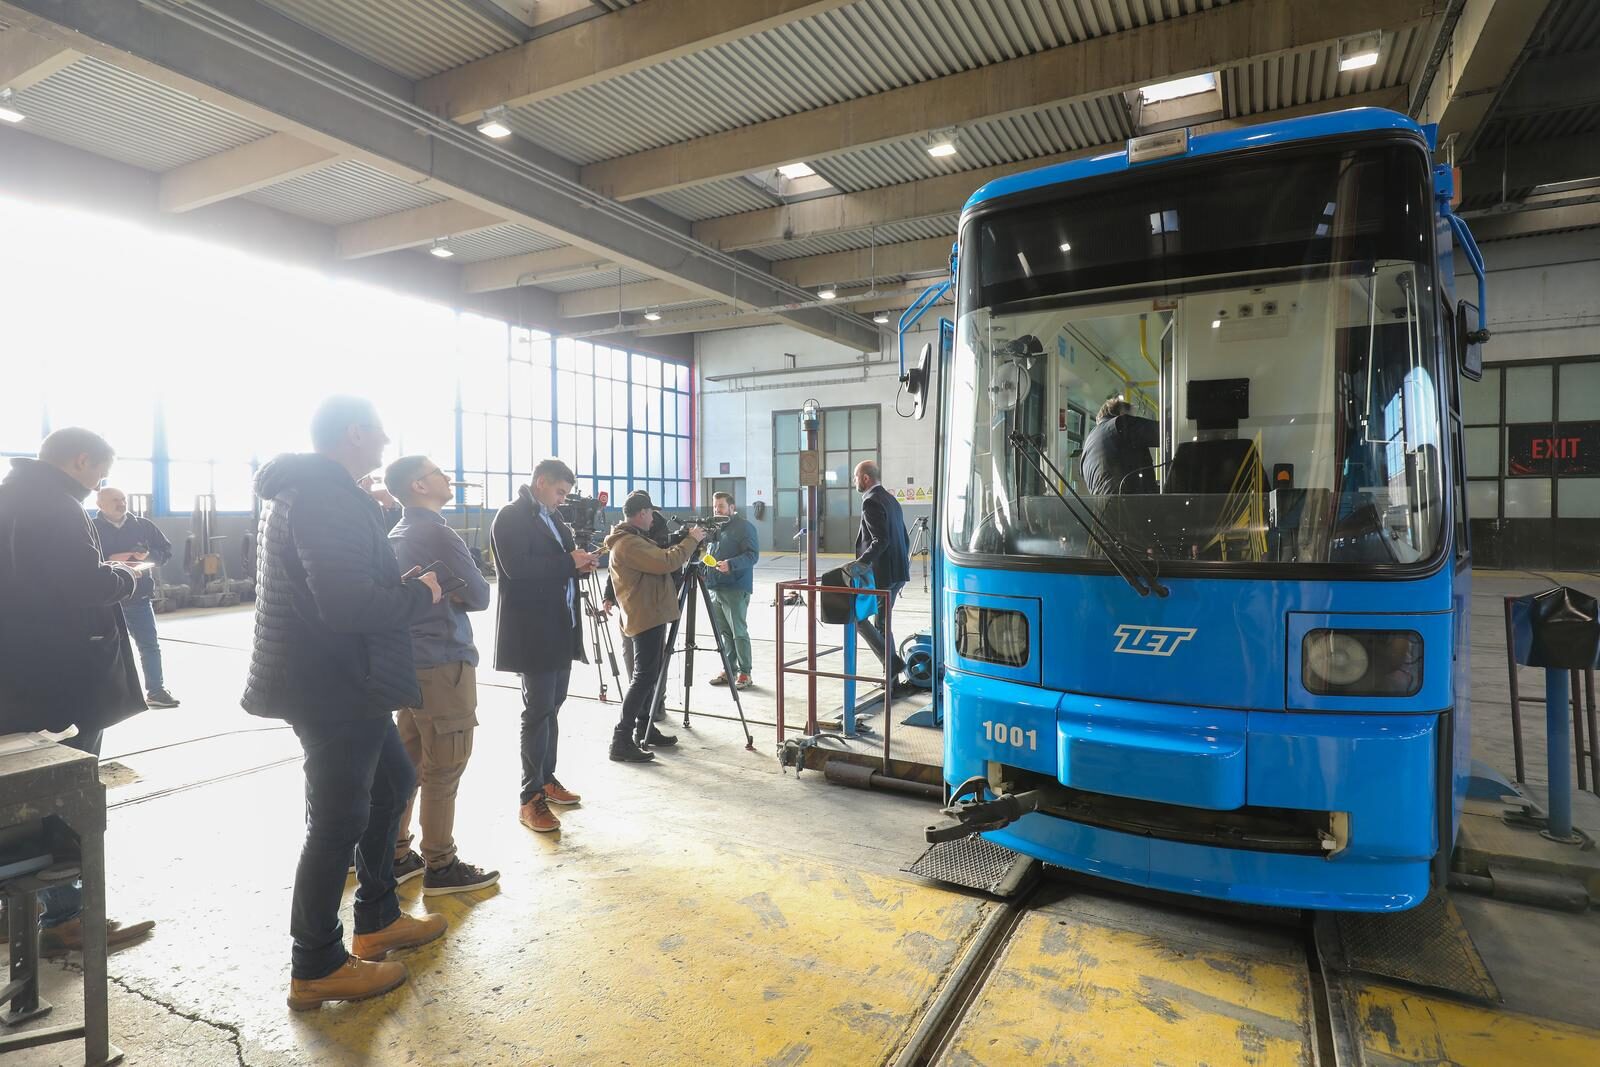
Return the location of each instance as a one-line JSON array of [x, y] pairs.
[[1151, 640]]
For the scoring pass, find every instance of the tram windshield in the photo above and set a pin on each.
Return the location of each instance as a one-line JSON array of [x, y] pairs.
[[1228, 363]]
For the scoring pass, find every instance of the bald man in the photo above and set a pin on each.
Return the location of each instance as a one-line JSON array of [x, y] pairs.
[[134, 539]]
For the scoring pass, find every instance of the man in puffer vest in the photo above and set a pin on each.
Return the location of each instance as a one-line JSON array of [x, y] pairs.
[[332, 656]]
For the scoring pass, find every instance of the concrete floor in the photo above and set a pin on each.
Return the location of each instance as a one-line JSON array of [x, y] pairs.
[[705, 909]]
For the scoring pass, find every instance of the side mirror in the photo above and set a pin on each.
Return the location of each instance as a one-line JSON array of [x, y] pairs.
[[916, 381], [1470, 336]]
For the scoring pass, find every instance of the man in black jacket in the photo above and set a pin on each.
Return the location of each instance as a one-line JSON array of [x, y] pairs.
[[883, 549], [65, 658], [135, 539], [1116, 454], [332, 655], [537, 630]]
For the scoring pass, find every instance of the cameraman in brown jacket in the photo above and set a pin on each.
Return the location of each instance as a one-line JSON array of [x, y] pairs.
[[641, 574]]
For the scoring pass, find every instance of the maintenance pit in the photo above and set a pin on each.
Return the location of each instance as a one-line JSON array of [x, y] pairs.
[[714, 908]]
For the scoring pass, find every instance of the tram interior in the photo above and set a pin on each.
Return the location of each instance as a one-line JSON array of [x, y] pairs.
[[1297, 422]]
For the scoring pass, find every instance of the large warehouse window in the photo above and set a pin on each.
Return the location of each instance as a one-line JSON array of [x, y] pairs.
[[200, 363]]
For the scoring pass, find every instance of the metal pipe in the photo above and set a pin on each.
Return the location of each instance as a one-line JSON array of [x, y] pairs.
[[784, 371], [860, 776], [1558, 746]]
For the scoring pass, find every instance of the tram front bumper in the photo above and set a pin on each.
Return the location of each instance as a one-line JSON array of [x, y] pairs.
[[1151, 777]]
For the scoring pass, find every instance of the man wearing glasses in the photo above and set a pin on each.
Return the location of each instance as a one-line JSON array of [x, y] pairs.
[[437, 733]]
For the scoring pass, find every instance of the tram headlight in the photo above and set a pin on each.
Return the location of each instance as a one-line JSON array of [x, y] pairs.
[[991, 635], [1372, 663]]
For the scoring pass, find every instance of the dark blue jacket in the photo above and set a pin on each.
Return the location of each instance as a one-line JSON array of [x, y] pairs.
[[740, 545], [333, 617], [64, 652], [136, 534], [882, 542], [1116, 455]]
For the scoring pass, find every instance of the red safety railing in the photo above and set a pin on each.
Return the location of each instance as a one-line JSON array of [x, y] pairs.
[[810, 670]]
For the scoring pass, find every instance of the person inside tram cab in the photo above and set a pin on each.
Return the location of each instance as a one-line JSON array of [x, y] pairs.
[[1116, 454]]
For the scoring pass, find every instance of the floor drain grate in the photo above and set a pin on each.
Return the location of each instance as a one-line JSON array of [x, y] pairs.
[[975, 863]]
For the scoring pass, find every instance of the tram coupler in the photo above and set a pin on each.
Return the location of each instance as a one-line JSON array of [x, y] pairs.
[[976, 816]]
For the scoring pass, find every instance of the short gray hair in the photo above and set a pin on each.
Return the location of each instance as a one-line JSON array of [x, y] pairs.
[[1112, 408], [68, 443]]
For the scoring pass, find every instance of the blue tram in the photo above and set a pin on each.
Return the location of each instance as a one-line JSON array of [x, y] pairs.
[[1238, 668]]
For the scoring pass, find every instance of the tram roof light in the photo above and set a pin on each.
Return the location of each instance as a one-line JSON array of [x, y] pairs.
[[494, 123], [1359, 53]]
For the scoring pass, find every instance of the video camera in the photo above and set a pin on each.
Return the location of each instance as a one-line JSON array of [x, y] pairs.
[[585, 514], [712, 524]]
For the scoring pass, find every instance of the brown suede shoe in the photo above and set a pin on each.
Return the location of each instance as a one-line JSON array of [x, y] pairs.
[[537, 816], [404, 932], [355, 980], [56, 941], [556, 793]]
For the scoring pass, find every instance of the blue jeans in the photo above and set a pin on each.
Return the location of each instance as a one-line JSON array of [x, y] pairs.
[[358, 778], [141, 618], [542, 696], [63, 903]]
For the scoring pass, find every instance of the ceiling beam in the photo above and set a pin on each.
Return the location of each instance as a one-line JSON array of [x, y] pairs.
[[635, 296], [636, 37], [1552, 83], [27, 59], [532, 268], [240, 170], [884, 261], [1562, 159], [409, 229], [1485, 47], [1500, 226], [237, 54], [945, 195], [1209, 40]]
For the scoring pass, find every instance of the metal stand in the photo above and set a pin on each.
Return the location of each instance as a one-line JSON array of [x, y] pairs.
[[687, 610], [1560, 758], [65, 783], [589, 592], [919, 546]]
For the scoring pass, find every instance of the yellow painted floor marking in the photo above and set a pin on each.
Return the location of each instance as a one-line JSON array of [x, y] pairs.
[[1401, 1027], [1072, 992]]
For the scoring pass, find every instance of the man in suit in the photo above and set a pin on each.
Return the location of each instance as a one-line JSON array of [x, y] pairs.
[[538, 632], [883, 550]]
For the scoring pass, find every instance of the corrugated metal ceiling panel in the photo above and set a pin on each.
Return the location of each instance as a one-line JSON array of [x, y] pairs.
[[1312, 75], [1573, 27], [512, 239], [864, 48], [983, 144], [112, 112], [413, 37], [345, 192], [891, 233], [1566, 123], [727, 197], [599, 280]]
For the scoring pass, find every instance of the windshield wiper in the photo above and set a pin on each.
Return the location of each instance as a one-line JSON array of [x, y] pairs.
[[1135, 571]]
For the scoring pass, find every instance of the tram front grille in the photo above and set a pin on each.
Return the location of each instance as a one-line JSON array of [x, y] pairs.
[[1255, 829]]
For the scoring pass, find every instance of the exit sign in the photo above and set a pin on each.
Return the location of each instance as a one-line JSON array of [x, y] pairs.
[[1538, 449]]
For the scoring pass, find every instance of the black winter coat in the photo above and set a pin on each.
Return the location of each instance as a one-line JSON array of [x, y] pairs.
[[333, 618], [64, 652], [533, 630]]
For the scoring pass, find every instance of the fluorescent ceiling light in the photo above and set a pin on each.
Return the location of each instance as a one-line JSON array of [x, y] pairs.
[[940, 149], [441, 248], [494, 123], [1216, 323], [827, 292], [796, 170], [1065, 247], [7, 112], [1178, 87], [652, 315], [881, 317], [1359, 53]]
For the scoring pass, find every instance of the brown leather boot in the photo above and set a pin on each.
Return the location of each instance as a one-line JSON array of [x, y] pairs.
[[556, 793], [355, 980], [537, 816], [55, 941], [404, 932]]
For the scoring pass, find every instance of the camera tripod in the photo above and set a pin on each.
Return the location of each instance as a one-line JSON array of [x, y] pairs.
[[919, 546], [693, 583], [589, 591]]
